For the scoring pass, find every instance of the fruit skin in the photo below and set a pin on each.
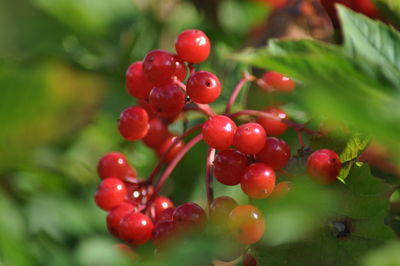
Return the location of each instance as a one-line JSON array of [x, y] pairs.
[[167, 99], [165, 146], [192, 46], [159, 66], [110, 193], [229, 166], [220, 208], [247, 224], [250, 138], [115, 216], [137, 83], [218, 132], [278, 81], [133, 123], [163, 233], [161, 204], [189, 216], [258, 181], [275, 153], [156, 134], [166, 215], [281, 189], [136, 228], [272, 126], [203, 87], [324, 166], [115, 164]]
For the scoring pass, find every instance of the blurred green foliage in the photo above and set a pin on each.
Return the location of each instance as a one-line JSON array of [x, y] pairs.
[[62, 65]]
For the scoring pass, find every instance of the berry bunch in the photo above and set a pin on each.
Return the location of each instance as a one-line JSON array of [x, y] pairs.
[[167, 86]]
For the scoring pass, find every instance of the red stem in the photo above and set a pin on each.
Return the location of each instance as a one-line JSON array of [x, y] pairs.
[[236, 91], [192, 69], [209, 176], [300, 138], [160, 163]]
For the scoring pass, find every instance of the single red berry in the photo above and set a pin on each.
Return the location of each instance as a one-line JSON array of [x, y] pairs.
[[137, 83], [281, 189], [247, 224], [115, 216], [192, 46], [275, 153], [189, 216], [136, 228], [133, 123], [324, 166], [203, 87], [163, 233], [181, 70], [250, 138], [258, 181], [218, 132], [115, 164], [220, 208], [165, 146], [229, 166], [278, 81], [161, 204], [110, 193], [159, 66], [167, 100], [274, 127], [166, 215], [156, 134], [249, 260]]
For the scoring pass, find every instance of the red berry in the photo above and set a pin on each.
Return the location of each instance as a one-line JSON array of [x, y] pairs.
[[166, 215], [156, 134], [147, 106], [165, 146], [136, 228], [218, 132], [133, 123], [249, 260], [161, 204], [189, 216], [137, 83], [324, 166], [110, 193], [115, 216], [247, 224], [275, 153], [272, 126], [250, 138], [167, 100], [115, 164], [159, 66], [258, 181], [229, 166], [192, 46], [203, 87], [220, 208], [163, 232], [278, 81], [181, 71]]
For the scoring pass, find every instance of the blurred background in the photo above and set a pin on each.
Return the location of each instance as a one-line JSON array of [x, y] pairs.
[[62, 87]]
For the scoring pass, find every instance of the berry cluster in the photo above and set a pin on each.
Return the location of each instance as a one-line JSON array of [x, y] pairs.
[[167, 86]]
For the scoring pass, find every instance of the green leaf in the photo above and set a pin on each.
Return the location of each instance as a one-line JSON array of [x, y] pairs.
[[390, 9]]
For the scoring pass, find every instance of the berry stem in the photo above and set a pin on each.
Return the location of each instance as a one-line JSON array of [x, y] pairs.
[[160, 163], [171, 166], [192, 69], [209, 171], [300, 137], [180, 84], [246, 77]]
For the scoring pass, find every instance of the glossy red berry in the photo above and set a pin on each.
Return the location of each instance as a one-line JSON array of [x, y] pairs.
[[136, 228], [275, 153], [115, 164], [137, 83], [203, 87], [247, 224], [250, 138], [324, 166], [278, 81], [156, 134], [218, 132], [229, 166], [220, 208], [192, 46], [161, 204], [189, 216], [164, 147], [133, 123], [115, 216], [159, 66], [273, 127], [166, 215], [181, 70], [167, 100], [110, 193], [258, 181], [249, 260]]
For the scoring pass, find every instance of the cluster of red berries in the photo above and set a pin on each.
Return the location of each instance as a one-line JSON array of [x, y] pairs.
[[248, 154]]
